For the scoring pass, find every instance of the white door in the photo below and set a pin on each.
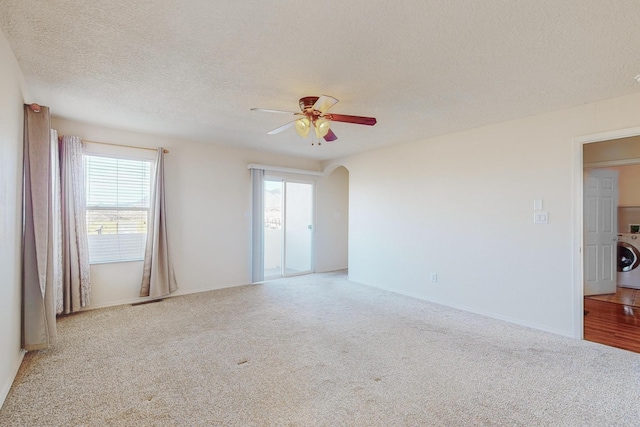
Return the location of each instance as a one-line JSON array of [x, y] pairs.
[[600, 231]]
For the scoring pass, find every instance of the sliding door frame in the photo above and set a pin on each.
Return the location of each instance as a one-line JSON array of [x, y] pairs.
[[270, 176]]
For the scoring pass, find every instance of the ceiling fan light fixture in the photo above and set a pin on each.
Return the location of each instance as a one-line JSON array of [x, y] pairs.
[[313, 113], [303, 126], [322, 127]]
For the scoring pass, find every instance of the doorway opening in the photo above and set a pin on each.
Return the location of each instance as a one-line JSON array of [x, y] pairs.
[[610, 202]]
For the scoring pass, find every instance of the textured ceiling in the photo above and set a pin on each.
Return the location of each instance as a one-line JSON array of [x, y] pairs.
[[194, 68]]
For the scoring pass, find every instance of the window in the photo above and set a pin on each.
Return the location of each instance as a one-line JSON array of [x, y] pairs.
[[118, 192]]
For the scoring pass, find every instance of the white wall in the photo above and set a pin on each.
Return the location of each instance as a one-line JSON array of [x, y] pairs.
[[612, 150], [461, 206], [208, 202], [616, 151], [332, 225], [11, 124], [628, 179]]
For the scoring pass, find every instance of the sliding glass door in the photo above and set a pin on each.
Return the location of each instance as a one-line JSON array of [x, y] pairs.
[[298, 230], [288, 232], [273, 228]]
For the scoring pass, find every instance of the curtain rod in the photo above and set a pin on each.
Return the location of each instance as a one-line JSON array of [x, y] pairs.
[[121, 145], [126, 146]]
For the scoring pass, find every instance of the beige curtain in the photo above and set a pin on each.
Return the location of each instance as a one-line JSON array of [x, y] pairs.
[[75, 249], [158, 278], [38, 299], [257, 225]]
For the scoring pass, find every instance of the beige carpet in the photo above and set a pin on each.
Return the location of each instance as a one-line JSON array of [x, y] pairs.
[[317, 351]]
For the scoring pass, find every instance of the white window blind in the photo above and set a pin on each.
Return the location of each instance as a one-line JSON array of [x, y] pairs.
[[118, 193]]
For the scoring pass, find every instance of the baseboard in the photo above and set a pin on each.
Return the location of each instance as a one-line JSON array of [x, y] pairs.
[[476, 311], [127, 301], [6, 387], [207, 289], [141, 300]]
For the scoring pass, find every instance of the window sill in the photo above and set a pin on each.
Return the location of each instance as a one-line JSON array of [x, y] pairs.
[[116, 262]]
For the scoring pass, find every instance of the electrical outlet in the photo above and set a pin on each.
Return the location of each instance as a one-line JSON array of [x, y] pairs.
[[434, 277], [540, 218]]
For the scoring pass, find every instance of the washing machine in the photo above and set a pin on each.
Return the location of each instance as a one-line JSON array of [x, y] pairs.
[[629, 260]]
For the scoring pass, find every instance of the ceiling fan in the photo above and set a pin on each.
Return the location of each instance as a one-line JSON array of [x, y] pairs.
[[313, 112]]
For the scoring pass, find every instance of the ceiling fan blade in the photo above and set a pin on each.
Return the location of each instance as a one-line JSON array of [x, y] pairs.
[[330, 136], [359, 120], [264, 110], [324, 103], [281, 128]]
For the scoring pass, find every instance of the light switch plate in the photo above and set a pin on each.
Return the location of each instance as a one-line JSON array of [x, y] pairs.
[[540, 217], [537, 205]]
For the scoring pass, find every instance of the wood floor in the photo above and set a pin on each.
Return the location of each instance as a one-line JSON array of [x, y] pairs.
[[614, 320], [626, 296]]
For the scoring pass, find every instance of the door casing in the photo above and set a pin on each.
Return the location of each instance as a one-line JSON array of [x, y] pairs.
[[285, 180], [578, 219]]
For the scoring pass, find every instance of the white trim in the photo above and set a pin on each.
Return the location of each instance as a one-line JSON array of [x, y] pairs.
[[606, 136], [284, 170], [578, 216], [138, 300], [6, 387], [127, 301], [578, 286]]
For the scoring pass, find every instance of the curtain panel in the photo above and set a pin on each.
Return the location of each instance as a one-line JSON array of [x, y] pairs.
[[56, 222], [75, 249], [55, 268], [158, 277], [257, 225], [38, 293]]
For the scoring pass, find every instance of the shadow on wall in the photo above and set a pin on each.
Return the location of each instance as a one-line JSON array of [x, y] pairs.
[[332, 227]]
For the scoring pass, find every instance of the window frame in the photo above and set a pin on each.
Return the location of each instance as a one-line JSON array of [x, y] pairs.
[[121, 153]]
